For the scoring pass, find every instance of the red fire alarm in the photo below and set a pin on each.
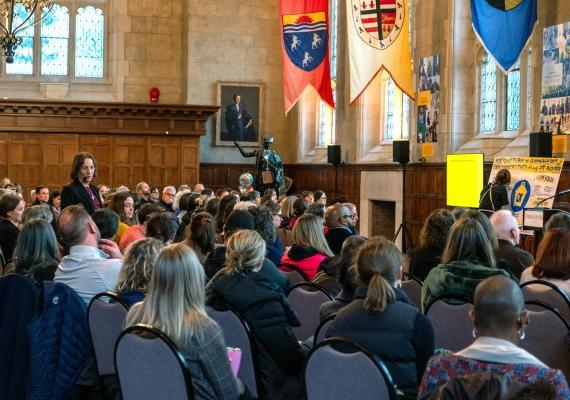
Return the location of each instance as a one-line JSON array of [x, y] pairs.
[[154, 94]]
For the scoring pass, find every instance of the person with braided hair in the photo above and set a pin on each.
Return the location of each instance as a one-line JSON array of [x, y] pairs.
[[263, 304], [382, 318]]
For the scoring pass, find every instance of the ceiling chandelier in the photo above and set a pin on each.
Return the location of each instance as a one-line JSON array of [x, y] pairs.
[[11, 26]]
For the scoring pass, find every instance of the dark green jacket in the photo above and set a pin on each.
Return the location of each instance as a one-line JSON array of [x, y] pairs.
[[455, 278]]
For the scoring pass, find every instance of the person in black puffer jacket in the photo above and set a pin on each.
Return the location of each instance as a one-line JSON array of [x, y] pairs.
[[382, 318], [264, 306]]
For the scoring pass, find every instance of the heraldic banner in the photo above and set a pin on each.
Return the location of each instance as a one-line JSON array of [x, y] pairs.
[[504, 27], [378, 37], [305, 50]]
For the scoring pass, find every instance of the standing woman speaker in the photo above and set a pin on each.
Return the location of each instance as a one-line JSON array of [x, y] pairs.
[[80, 190], [494, 196]]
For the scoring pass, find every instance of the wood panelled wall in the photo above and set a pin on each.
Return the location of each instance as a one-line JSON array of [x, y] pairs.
[[130, 142], [424, 186]]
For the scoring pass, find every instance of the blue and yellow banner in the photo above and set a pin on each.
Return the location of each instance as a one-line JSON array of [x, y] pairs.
[[504, 27]]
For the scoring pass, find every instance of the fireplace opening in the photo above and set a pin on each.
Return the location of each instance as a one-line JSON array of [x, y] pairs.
[[383, 218]]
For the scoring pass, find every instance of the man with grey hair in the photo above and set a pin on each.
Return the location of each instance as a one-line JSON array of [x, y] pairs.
[[167, 198], [508, 234], [93, 264]]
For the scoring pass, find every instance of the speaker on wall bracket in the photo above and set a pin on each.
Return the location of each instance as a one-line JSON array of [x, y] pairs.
[[333, 154], [401, 151], [540, 144]]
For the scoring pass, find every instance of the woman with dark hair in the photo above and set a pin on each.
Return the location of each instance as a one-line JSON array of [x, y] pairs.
[[320, 197], [212, 206], [55, 203], [552, 260], [80, 190], [227, 204], [161, 226], [186, 206], [11, 211], [36, 254], [494, 196], [499, 321], [433, 237], [263, 305], [269, 194], [201, 235], [299, 207], [468, 258], [383, 319], [123, 204], [264, 226]]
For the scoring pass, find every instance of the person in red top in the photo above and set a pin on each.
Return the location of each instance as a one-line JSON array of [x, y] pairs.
[[81, 191], [138, 231], [309, 247]]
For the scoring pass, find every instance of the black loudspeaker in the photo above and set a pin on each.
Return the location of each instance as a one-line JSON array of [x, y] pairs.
[[401, 151], [541, 144], [333, 154]]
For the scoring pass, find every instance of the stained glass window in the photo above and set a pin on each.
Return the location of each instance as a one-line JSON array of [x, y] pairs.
[[488, 99], [24, 55], [406, 107], [513, 97], [89, 42], [529, 89], [55, 37], [389, 90]]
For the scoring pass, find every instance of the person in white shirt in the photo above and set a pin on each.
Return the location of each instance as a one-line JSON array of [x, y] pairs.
[[93, 264]]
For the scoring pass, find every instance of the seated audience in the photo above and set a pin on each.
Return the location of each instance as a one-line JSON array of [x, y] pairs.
[[558, 221], [161, 226], [269, 194], [383, 319], [36, 254], [198, 188], [212, 206], [237, 221], [123, 204], [499, 320], [327, 277], [287, 210], [299, 207], [353, 216], [41, 195], [201, 235], [142, 195], [264, 226], [485, 223], [310, 248], [433, 237], [344, 271], [93, 264], [264, 306], [320, 197], [467, 259], [317, 209], [40, 211], [138, 231], [136, 271], [227, 205], [107, 222], [508, 234], [221, 193], [11, 210], [55, 202], [338, 221], [458, 212], [308, 196], [154, 194], [552, 260], [175, 304], [167, 198], [80, 190], [187, 204], [254, 197]]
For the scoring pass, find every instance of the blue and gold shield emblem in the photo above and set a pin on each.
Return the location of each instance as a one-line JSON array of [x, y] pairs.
[[305, 39]]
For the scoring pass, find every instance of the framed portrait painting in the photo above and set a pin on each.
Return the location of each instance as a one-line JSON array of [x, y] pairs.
[[241, 113]]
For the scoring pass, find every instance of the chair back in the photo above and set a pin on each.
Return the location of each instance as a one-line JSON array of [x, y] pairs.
[[294, 277], [328, 371], [150, 367], [322, 329], [105, 320], [413, 289], [452, 328], [294, 268], [237, 334], [306, 299], [547, 337], [547, 292]]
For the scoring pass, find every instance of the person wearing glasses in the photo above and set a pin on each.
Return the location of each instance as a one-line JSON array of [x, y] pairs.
[[167, 199], [339, 226]]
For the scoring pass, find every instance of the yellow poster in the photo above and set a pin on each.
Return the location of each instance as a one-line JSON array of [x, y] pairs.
[[559, 144], [427, 150], [424, 98]]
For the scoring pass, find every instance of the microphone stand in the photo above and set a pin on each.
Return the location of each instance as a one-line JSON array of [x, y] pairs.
[[552, 197]]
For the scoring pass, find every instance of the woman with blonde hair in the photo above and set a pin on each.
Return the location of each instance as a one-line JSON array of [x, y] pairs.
[[383, 319], [287, 210], [310, 248], [175, 304], [262, 303], [136, 271]]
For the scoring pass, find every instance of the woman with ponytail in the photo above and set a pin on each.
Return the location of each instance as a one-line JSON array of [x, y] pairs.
[[383, 319], [262, 303]]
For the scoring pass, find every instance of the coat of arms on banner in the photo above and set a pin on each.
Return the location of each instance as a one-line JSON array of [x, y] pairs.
[[504, 5], [305, 39], [378, 22]]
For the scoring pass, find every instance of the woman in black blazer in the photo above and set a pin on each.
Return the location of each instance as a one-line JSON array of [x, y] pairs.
[[81, 191]]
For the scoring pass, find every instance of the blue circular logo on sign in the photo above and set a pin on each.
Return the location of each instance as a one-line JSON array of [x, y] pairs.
[[520, 195]]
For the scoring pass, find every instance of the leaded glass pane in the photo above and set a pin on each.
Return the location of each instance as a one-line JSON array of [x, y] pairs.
[[55, 36], [89, 42], [389, 109], [513, 98], [24, 55], [327, 123], [529, 90], [406, 106], [488, 104]]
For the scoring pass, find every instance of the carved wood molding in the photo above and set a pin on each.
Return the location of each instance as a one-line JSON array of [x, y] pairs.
[[105, 118]]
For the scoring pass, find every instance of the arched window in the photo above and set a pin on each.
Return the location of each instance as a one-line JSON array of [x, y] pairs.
[[389, 93], [513, 98], [488, 97], [47, 50]]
